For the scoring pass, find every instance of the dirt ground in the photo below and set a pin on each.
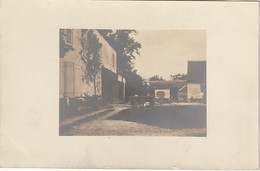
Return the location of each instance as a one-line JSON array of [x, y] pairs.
[[124, 128], [103, 124]]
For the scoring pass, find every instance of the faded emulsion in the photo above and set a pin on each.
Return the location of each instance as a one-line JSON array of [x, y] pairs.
[[132, 82]]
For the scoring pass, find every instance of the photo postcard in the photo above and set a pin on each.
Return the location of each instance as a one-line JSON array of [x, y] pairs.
[[129, 85]]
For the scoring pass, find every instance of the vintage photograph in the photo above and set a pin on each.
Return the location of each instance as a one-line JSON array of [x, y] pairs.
[[129, 85], [132, 82]]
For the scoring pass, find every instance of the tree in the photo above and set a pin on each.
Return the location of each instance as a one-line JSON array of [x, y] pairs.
[[126, 47], [135, 84], [90, 55], [179, 77], [156, 78]]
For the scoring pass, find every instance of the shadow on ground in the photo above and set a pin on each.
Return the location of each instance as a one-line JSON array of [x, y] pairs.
[[170, 117]]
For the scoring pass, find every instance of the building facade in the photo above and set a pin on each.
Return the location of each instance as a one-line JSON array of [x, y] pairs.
[[196, 86], [110, 86], [166, 90]]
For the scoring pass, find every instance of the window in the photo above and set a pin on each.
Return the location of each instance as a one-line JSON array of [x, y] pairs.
[[65, 41], [160, 94]]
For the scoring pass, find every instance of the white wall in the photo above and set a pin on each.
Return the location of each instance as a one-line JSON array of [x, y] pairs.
[[193, 90], [109, 57], [72, 68]]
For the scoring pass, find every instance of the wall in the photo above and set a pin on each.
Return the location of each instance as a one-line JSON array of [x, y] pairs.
[[121, 87], [194, 90], [110, 92], [70, 75], [88, 88], [72, 68], [109, 57], [197, 71], [76, 39]]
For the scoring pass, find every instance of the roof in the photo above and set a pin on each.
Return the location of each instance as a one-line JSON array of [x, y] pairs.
[[197, 71], [104, 40], [167, 84]]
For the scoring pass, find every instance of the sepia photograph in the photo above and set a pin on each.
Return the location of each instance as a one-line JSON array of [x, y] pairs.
[[132, 82]]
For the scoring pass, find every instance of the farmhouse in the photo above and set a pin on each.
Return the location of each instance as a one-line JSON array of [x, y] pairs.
[[110, 86]]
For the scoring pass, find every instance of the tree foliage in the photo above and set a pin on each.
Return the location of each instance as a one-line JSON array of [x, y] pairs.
[[127, 49], [90, 55], [156, 78], [135, 84], [179, 77], [125, 45]]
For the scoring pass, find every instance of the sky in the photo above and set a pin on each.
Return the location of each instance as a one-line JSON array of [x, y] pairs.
[[166, 52]]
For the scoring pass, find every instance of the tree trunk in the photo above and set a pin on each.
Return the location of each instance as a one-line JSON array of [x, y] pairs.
[[95, 91], [95, 94]]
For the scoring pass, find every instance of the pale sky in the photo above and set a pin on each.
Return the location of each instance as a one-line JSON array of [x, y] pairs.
[[166, 52]]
